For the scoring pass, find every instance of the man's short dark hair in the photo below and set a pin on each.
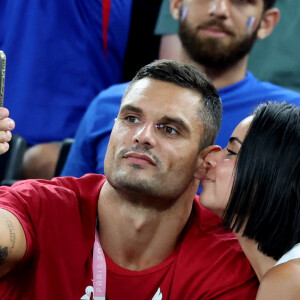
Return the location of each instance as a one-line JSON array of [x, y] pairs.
[[190, 77], [265, 199], [268, 4]]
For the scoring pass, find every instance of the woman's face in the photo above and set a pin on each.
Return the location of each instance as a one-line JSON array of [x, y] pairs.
[[219, 165]]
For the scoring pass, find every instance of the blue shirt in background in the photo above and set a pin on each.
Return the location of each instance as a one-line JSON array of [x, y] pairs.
[[60, 55]]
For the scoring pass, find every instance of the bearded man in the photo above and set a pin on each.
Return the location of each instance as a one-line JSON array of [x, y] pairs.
[[216, 36]]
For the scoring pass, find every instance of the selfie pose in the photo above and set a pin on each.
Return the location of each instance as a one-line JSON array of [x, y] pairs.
[[158, 242]]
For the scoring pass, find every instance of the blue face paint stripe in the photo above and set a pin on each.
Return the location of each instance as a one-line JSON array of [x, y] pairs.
[[250, 23], [183, 12], [159, 126]]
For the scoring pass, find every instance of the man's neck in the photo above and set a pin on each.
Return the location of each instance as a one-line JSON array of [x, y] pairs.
[[138, 238], [221, 78]]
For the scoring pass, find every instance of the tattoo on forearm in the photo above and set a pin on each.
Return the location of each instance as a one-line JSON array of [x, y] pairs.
[[12, 237], [3, 254]]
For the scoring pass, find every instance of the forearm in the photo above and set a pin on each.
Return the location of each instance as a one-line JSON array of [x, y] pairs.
[[12, 241]]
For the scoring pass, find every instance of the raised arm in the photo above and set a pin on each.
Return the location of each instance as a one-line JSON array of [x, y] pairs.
[[6, 125], [12, 241]]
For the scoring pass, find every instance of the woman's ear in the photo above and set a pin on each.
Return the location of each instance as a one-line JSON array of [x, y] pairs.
[[201, 164], [269, 20], [175, 6]]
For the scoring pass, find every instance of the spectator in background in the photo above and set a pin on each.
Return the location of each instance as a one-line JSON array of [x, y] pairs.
[[239, 90], [60, 54], [273, 59], [167, 27], [143, 44]]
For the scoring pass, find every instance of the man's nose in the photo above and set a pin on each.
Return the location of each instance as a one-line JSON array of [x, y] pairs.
[[145, 135], [219, 8]]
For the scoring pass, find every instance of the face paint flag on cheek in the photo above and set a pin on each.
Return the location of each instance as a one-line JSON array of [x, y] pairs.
[[159, 126], [183, 12], [251, 22]]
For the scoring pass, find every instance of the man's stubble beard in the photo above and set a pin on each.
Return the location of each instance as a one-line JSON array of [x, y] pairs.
[[211, 52], [145, 192], [141, 192]]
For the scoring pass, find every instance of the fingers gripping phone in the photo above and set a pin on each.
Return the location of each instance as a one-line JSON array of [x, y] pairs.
[[2, 76]]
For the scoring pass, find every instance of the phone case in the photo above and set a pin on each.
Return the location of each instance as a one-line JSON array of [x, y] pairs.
[[2, 76]]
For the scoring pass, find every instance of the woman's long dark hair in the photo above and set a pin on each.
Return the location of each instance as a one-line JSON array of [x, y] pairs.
[[265, 199]]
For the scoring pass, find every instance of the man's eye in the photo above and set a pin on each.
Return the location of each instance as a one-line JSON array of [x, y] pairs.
[[243, 1], [132, 119], [170, 130], [230, 152]]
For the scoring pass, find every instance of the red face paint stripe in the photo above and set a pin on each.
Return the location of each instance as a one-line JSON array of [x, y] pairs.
[[105, 24], [159, 126]]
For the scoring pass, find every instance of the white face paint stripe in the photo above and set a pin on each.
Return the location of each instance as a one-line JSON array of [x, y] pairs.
[[183, 12]]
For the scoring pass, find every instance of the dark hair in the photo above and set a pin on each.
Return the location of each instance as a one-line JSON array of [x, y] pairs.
[[265, 199], [268, 4], [190, 77]]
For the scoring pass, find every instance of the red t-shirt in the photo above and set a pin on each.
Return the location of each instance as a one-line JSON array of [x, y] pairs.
[[59, 220], [207, 264]]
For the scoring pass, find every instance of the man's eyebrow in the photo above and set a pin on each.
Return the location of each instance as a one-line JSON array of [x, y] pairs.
[[129, 107], [234, 138], [176, 121]]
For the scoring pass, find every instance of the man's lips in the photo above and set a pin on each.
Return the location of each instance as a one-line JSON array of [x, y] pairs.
[[140, 159], [214, 31]]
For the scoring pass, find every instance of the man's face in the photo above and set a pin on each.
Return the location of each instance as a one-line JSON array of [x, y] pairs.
[[218, 33], [153, 148]]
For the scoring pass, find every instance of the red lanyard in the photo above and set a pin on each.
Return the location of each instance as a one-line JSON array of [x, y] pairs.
[[99, 270]]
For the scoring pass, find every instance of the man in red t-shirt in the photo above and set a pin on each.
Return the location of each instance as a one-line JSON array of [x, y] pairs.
[[158, 242]]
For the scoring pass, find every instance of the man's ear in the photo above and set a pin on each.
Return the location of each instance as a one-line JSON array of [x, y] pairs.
[[175, 6], [200, 171], [269, 20]]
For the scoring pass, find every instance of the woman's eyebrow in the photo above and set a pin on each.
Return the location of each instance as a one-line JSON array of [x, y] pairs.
[[234, 138]]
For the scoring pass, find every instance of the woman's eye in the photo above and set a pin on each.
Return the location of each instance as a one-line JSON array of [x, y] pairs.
[[230, 152], [132, 119]]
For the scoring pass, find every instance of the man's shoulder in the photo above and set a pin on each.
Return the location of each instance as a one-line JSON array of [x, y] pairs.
[[106, 104], [209, 229], [276, 89], [88, 183], [115, 91], [210, 226], [251, 88], [209, 253], [204, 217], [272, 92]]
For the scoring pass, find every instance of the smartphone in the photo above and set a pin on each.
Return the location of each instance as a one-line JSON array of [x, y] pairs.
[[2, 76]]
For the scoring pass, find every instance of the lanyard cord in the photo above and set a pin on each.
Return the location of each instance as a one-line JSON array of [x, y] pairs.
[[99, 270]]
